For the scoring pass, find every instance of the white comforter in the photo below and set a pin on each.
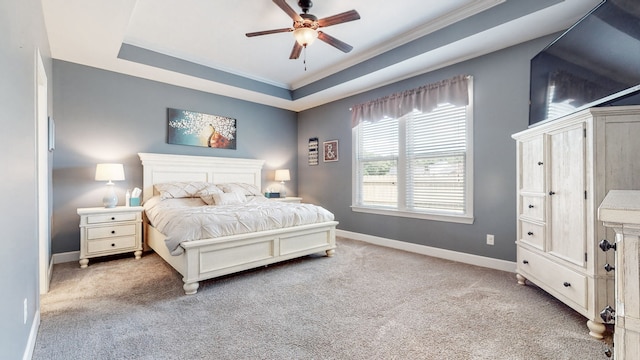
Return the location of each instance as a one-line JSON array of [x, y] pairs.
[[190, 219]]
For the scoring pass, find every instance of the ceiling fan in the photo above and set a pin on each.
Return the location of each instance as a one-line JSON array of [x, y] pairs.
[[305, 27]]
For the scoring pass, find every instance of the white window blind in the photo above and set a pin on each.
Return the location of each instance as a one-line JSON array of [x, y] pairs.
[[436, 152], [418, 165], [378, 163]]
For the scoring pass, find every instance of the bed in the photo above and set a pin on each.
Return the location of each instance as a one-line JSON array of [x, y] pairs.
[[212, 257]]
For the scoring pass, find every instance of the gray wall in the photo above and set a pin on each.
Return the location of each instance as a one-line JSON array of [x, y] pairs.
[[21, 33], [501, 93], [103, 116]]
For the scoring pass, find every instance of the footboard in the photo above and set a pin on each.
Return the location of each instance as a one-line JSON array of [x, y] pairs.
[[210, 258]]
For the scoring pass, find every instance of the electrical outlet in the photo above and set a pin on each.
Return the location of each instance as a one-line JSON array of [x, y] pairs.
[[489, 239], [26, 311]]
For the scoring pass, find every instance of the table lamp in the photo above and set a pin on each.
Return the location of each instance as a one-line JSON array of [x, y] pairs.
[[282, 176], [110, 173]]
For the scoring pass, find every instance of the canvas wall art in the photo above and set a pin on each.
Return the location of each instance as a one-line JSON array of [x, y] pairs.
[[198, 129]]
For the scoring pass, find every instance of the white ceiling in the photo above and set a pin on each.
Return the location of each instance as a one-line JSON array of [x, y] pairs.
[[211, 33]]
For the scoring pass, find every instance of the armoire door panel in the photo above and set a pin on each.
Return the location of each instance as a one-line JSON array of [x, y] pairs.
[[532, 161], [566, 194]]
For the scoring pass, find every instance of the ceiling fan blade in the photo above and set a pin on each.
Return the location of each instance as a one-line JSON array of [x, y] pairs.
[[267, 32], [282, 4], [295, 52], [340, 45], [339, 18]]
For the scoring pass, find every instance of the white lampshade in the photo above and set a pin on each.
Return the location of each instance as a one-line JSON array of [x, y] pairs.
[[305, 36], [282, 175], [110, 172]]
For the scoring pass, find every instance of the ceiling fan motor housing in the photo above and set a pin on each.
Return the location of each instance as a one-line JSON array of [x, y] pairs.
[[308, 21]]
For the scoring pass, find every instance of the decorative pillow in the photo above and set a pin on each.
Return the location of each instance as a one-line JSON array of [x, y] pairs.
[[224, 198], [176, 190], [244, 188], [210, 190]]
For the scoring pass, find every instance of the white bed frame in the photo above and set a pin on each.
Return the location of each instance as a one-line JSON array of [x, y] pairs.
[[210, 258]]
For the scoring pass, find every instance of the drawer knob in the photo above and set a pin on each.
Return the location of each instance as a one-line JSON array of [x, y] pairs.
[[540, 163], [113, 218], [525, 261], [531, 206], [608, 314], [113, 245], [552, 193], [606, 245], [608, 267], [113, 231], [530, 233], [566, 284]]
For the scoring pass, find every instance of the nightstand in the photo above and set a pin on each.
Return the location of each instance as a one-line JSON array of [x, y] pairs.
[[109, 231], [291, 199]]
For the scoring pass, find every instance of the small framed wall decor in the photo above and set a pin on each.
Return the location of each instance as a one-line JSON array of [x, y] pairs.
[[313, 151], [330, 150]]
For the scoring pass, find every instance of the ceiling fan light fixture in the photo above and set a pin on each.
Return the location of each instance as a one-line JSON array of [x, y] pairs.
[[305, 35]]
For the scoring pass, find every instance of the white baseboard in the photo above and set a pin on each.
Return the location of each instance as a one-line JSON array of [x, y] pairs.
[[33, 334], [471, 259], [66, 257]]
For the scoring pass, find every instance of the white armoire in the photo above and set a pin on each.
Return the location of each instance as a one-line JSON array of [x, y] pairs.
[[565, 168]]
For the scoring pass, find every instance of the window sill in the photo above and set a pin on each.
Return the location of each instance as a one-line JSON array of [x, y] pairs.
[[461, 219]]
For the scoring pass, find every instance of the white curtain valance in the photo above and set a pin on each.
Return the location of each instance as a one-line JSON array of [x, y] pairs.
[[424, 99]]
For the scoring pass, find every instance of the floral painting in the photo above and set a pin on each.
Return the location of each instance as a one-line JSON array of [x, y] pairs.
[[198, 129]]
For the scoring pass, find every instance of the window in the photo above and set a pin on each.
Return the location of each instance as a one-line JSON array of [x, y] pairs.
[[416, 165]]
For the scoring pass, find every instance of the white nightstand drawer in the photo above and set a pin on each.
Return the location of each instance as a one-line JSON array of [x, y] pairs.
[[106, 218], [111, 231], [96, 246]]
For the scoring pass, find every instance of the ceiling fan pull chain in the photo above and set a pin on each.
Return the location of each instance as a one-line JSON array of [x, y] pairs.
[[304, 61]]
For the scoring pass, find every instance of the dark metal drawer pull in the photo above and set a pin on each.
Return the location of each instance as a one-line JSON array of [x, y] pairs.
[[606, 245], [608, 314], [608, 267]]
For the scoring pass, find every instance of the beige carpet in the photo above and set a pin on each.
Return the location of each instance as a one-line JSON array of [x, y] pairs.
[[367, 302]]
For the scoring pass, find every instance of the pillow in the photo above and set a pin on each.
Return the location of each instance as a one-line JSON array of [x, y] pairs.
[[243, 188], [176, 190], [224, 198], [210, 190]]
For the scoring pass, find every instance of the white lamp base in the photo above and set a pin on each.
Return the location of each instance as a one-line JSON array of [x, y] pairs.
[[110, 198], [283, 190]]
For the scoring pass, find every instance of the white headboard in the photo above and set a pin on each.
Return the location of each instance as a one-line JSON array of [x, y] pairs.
[[162, 168]]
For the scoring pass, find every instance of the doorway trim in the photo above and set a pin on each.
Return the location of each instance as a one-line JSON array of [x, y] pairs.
[[43, 176]]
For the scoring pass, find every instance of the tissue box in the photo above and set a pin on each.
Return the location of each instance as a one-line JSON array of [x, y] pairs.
[[134, 201]]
